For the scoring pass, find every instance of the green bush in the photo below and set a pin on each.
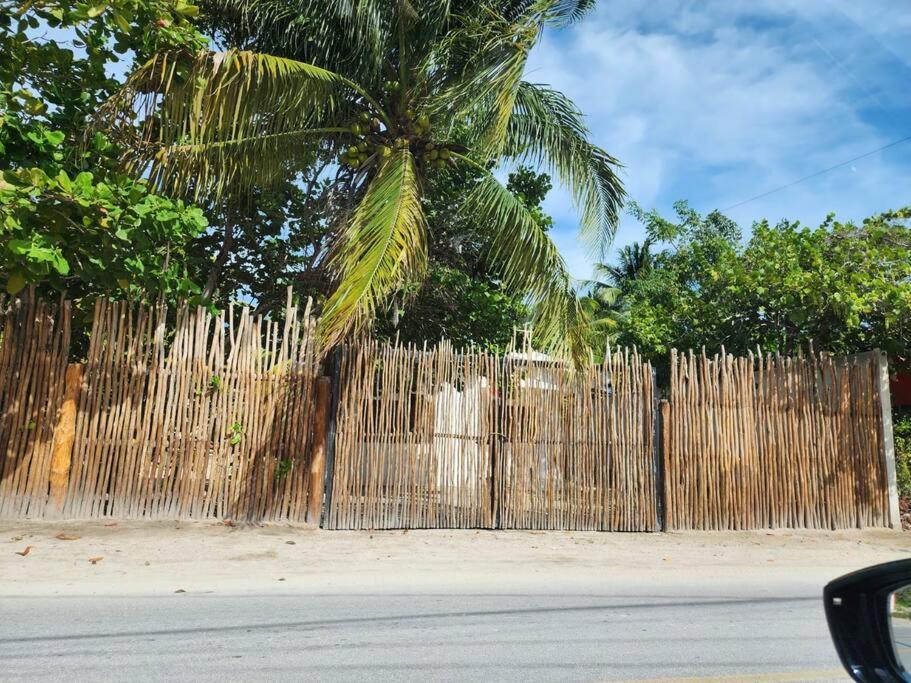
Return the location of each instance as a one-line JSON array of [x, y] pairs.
[[901, 429]]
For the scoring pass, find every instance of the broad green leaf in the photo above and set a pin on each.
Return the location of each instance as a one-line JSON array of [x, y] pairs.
[[15, 283], [64, 181]]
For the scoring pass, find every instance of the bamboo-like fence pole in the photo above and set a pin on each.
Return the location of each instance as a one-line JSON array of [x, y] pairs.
[[64, 436]]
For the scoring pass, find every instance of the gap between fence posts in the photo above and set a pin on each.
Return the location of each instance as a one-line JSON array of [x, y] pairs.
[[64, 437], [656, 453], [888, 443], [329, 474], [317, 480], [496, 440]]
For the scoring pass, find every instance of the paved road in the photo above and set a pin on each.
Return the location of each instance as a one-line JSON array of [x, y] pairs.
[[628, 635]]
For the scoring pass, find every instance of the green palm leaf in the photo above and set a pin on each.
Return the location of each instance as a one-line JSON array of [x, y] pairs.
[[476, 70], [383, 246], [192, 105], [530, 264], [207, 169], [547, 129], [349, 35]]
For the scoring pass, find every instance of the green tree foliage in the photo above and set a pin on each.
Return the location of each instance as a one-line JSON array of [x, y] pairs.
[[901, 428], [398, 92], [69, 218], [276, 239], [841, 287]]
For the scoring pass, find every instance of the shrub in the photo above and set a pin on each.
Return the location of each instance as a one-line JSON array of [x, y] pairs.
[[901, 429]]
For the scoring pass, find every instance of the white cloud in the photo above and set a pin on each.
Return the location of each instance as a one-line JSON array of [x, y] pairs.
[[716, 102]]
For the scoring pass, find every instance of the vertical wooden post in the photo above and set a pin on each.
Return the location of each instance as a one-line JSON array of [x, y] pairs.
[[65, 435], [664, 438], [885, 406], [318, 453]]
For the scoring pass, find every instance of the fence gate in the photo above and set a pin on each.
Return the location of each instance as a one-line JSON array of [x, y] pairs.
[[414, 437], [468, 439], [578, 449]]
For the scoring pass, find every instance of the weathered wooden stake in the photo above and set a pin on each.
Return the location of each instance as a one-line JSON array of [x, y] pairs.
[[662, 425], [65, 435], [885, 403], [318, 453]]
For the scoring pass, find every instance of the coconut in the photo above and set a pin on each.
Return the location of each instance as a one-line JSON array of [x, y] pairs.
[[365, 117], [445, 154], [424, 121], [433, 154], [362, 147], [352, 151], [429, 146], [354, 163], [356, 128]]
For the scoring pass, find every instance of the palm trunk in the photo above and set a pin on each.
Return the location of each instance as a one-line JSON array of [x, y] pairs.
[[221, 259]]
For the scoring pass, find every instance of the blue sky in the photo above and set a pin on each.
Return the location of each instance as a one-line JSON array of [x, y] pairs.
[[716, 101]]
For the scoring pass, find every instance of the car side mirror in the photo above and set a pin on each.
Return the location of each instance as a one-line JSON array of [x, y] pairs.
[[869, 615], [900, 623]]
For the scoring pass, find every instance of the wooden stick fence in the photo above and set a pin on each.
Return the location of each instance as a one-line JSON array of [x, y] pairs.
[[182, 414], [413, 446], [438, 438], [774, 442], [34, 343], [578, 450], [189, 414]]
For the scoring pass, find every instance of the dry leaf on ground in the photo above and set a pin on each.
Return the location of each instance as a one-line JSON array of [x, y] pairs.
[[66, 537], [25, 552], [96, 560]]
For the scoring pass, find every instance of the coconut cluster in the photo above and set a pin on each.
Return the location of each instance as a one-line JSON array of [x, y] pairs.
[[373, 141]]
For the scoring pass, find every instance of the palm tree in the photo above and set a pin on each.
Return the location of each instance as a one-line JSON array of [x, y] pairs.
[[633, 261], [399, 90], [603, 306]]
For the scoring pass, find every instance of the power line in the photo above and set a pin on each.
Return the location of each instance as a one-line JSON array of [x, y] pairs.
[[817, 174]]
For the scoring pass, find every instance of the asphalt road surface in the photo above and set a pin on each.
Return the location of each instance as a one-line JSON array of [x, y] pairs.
[[137, 601], [546, 636]]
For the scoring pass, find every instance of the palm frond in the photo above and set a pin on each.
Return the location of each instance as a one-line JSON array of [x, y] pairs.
[[530, 265], [348, 35], [215, 98], [206, 169], [383, 246], [475, 72], [547, 129], [565, 12], [556, 12]]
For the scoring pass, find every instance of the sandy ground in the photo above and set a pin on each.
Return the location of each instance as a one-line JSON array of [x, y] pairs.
[[142, 558]]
